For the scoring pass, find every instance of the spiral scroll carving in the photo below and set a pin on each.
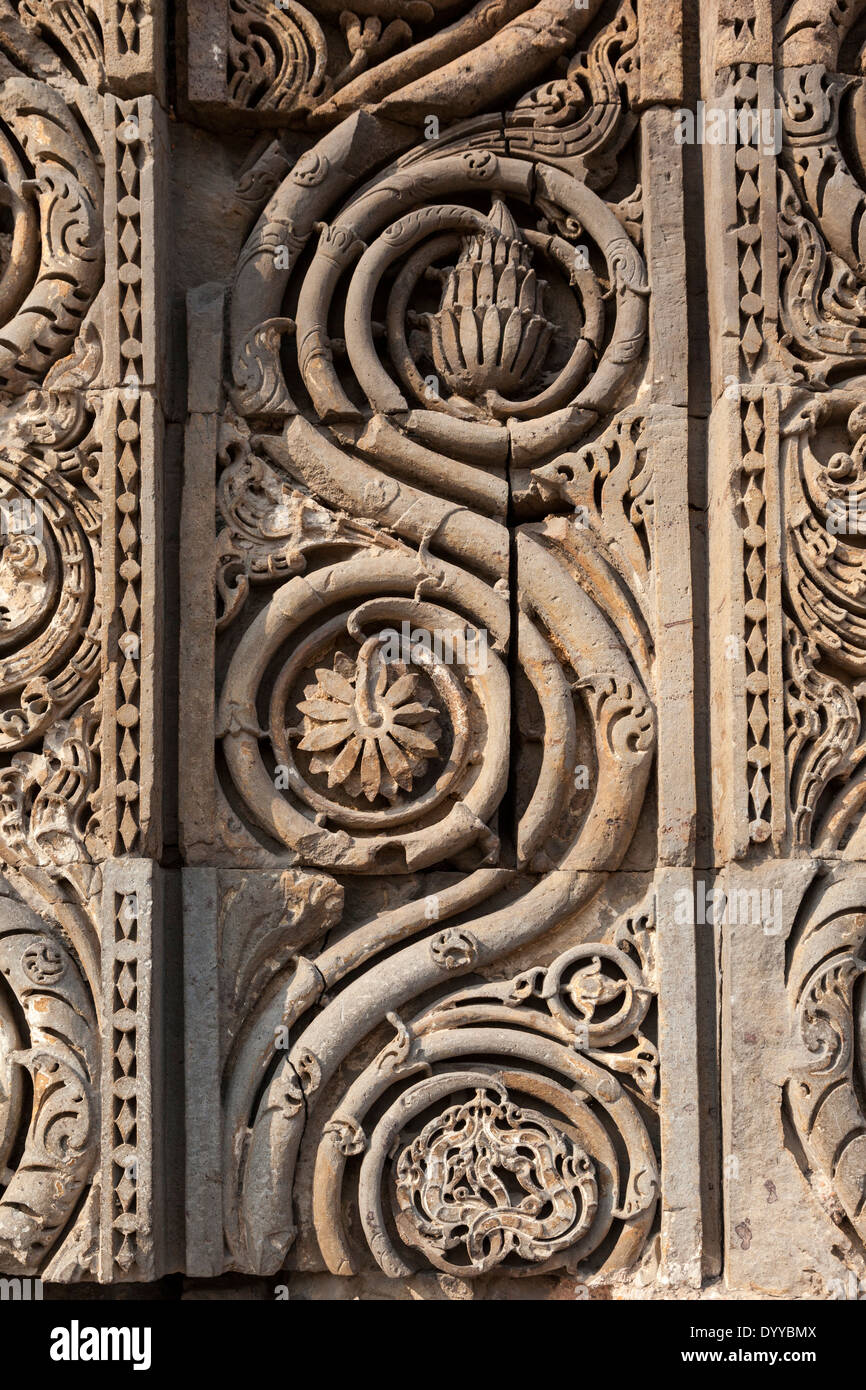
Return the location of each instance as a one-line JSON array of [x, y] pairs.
[[427, 343]]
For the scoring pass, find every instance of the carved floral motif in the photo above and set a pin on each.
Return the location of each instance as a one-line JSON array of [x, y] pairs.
[[367, 728], [454, 1186]]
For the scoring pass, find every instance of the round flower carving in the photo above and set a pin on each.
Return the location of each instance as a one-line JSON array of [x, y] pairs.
[[368, 725], [367, 733]]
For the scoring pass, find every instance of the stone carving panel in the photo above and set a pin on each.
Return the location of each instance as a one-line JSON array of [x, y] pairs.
[[785, 559], [73, 268], [438, 621], [399, 656]]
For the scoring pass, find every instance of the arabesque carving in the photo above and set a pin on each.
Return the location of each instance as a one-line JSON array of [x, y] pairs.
[[432, 676]]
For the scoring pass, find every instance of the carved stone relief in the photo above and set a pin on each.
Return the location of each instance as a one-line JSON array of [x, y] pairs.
[[431, 575], [435, 466], [78, 397], [785, 559]]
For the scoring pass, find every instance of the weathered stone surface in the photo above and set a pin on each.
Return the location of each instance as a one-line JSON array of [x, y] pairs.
[[432, 647]]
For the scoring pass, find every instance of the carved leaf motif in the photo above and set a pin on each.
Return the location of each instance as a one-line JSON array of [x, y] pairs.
[[46, 800], [277, 55], [59, 1051], [823, 305], [825, 1090], [75, 25]]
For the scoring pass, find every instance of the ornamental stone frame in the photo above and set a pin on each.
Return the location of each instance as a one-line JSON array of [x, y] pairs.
[[432, 642]]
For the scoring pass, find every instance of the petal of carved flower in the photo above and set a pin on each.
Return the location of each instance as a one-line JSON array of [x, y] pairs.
[[344, 666], [335, 685], [449, 336], [413, 738], [397, 763], [344, 762], [327, 737], [371, 770], [511, 338], [322, 709], [401, 690], [486, 289], [415, 713]]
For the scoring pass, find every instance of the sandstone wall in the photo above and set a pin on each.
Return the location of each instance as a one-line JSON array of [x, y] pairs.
[[432, 646]]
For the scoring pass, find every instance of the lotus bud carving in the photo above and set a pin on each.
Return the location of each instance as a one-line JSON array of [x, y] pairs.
[[490, 333]]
